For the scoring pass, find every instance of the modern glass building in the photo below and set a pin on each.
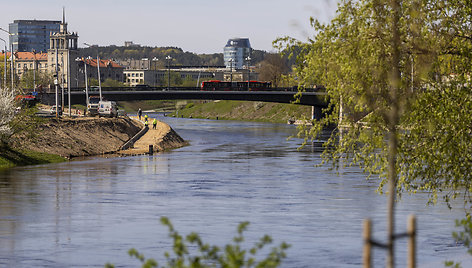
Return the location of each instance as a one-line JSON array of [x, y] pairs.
[[29, 35], [236, 51]]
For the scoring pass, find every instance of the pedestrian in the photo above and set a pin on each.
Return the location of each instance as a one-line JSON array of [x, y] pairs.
[[140, 113], [154, 123], [146, 123], [145, 118]]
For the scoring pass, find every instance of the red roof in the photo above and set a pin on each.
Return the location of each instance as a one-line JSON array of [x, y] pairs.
[[31, 56], [28, 55], [103, 63]]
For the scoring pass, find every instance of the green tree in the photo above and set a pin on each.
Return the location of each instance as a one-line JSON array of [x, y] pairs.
[[112, 83], [272, 68], [29, 78], [397, 74]]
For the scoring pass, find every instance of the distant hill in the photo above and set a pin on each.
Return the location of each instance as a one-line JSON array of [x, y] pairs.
[[179, 56]]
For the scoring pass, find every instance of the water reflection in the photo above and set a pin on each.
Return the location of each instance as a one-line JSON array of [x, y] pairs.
[[89, 212]]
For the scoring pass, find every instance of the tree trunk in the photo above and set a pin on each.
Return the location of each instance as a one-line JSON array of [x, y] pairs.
[[392, 135]]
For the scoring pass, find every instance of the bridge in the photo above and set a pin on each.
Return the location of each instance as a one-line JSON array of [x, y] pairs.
[[280, 95]]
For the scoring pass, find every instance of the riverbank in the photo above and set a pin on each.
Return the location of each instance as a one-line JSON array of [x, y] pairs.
[[162, 138], [245, 111], [10, 157], [57, 140]]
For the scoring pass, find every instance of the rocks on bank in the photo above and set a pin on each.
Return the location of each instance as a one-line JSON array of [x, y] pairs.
[[74, 137]]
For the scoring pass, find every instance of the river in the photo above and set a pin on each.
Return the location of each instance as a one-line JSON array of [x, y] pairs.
[[88, 212]]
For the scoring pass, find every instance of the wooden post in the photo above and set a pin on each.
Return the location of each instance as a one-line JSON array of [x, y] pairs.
[[411, 229], [151, 149], [367, 252]]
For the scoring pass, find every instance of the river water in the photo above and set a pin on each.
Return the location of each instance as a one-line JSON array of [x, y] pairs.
[[88, 212]]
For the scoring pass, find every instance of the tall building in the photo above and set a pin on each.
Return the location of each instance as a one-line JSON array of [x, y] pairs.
[[235, 53], [29, 35], [63, 52]]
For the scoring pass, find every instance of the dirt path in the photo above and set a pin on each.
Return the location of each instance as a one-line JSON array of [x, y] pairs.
[[162, 138]]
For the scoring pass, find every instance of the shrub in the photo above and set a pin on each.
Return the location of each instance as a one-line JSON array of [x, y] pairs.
[[233, 255]]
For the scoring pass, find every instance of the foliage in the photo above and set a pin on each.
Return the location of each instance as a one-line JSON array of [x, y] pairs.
[[233, 255], [351, 57], [397, 74], [112, 83], [464, 237], [25, 125], [41, 79], [7, 110], [179, 57], [272, 68]]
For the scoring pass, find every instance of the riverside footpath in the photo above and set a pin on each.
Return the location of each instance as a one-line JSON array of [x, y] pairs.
[[162, 138]]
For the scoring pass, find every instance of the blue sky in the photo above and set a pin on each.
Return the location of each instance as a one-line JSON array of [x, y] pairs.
[[201, 26]]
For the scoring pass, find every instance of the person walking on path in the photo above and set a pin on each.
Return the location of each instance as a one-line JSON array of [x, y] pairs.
[[140, 112], [154, 123], [145, 118]]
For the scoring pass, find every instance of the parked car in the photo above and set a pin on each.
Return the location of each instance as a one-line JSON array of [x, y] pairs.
[[52, 111]]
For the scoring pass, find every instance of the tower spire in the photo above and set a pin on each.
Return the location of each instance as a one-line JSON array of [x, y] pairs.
[[63, 15]]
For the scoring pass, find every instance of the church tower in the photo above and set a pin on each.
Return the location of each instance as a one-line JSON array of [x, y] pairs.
[[63, 52]]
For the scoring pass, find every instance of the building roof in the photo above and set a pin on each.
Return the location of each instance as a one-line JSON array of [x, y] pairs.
[[103, 63], [31, 56], [238, 42], [38, 21], [42, 56]]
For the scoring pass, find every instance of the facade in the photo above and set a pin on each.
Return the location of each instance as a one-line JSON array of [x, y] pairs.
[[108, 70], [32, 35], [159, 77], [30, 61], [236, 51], [142, 64]]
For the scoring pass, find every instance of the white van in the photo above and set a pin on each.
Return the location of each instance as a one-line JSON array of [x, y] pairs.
[[107, 108]]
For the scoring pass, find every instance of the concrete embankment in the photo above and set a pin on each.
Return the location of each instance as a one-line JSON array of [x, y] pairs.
[[86, 136]]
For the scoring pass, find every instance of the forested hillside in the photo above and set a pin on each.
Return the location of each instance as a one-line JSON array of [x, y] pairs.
[[180, 57]]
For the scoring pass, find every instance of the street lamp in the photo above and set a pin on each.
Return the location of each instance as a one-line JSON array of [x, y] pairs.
[[34, 70], [86, 79], [155, 80], [155, 60], [248, 60], [11, 57], [5, 65], [168, 58], [98, 70]]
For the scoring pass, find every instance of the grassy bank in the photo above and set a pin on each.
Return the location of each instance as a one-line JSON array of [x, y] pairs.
[[159, 105], [11, 157], [245, 111]]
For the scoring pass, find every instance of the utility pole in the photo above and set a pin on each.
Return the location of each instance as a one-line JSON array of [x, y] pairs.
[[4, 65], [68, 82], [168, 58], [56, 82]]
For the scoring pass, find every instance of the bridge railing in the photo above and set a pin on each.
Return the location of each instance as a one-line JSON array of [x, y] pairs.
[[148, 88]]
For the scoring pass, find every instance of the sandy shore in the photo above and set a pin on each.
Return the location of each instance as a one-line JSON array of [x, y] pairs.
[[162, 138]]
